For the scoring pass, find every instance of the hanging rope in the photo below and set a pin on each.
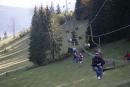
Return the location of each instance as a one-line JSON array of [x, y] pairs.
[[111, 31], [91, 31], [98, 12]]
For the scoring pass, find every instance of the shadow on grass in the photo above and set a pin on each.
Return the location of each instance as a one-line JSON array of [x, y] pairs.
[[116, 67], [125, 85]]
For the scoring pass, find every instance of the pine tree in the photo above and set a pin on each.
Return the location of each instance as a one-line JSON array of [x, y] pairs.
[[5, 35], [33, 37], [58, 10], [52, 7], [40, 39]]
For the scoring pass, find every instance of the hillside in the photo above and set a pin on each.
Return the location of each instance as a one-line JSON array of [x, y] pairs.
[[17, 52], [16, 55], [68, 74], [65, 73]]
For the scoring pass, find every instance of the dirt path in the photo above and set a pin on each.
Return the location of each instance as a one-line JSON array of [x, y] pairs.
[[12, 63], [1, 57], [16, 43]]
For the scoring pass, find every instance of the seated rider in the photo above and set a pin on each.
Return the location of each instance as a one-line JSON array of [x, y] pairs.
[[127, 56], [97, 64], [81, 57]]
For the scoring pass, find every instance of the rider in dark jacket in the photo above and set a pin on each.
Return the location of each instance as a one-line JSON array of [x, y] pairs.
[[97, 64], [97, 61]]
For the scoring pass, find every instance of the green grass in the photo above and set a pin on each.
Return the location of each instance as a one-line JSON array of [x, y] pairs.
[[127, 84], [67, 74], [16, 51], [116, 50], [16, 66], [17, 45]]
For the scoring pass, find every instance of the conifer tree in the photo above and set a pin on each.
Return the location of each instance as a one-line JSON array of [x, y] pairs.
[[5, 35], [52, 8], [58, 10], [40, 39]]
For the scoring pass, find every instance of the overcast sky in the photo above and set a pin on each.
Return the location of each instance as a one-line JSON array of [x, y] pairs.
[[22, 17], [32, 3]]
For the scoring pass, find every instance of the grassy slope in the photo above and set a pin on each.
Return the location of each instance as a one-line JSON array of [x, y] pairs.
[[5, 41], [69, 74], [66, 73], [17, 52], [117, 49]]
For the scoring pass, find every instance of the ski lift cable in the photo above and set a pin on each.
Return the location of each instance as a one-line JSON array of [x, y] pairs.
[[98, 11], [94, 20], [111, 31]]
